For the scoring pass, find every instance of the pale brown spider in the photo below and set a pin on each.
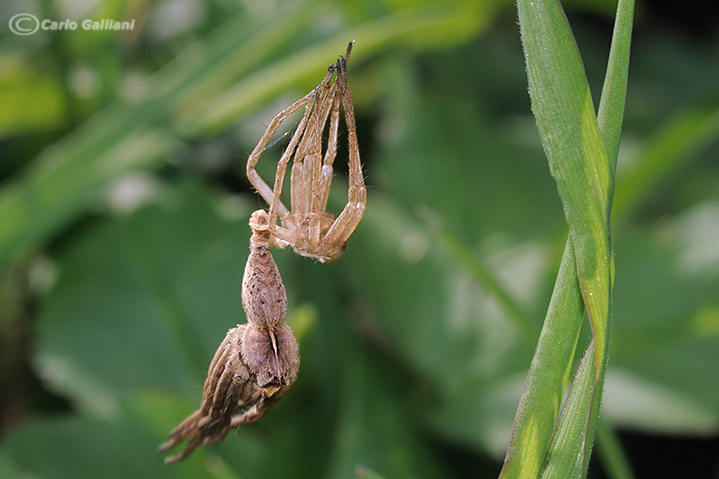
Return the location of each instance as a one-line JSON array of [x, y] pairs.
[[308, 227], [256, 363]]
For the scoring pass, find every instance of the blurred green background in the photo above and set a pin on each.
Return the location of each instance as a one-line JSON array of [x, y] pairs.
[[123, 237]]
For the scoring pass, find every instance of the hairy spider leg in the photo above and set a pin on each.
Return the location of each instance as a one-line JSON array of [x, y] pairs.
[[186, 427], [228, 390], [352, 213], [191, 446], [307, 171], [273, 197], [308, 154], [210, 423], [284, 160], [283, 233], [321, 190], [255, 179], [263, 405]]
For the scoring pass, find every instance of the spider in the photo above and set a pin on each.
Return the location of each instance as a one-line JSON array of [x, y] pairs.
[[308, 227], [256, 363]]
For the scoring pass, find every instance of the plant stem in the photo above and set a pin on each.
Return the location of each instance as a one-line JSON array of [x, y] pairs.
[[610, 451]]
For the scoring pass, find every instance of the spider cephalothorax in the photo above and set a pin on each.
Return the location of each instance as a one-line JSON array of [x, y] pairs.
[[307, 226]]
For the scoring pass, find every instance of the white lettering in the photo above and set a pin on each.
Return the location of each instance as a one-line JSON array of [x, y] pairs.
[[66, 24], [107, 24]]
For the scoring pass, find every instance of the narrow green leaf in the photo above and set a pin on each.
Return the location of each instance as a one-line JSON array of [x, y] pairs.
[[481, 272], [567, 124], [582, 406], [610, 114], [562, 106], [566, 457], [210, 117], [572, 443], [611, 453], [610, 117], [548, 374]]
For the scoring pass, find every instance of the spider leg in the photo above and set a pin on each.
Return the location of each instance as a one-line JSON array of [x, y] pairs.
[[307, 164], [321, 185], [184, 430], [258, 409], [218, 365], [285, 236], [352, 213], [276, 203], [349, 51], [221, 353], [227, 392], [307, 175], [227, 381], [257, 182], [191, 446], [311, 101]]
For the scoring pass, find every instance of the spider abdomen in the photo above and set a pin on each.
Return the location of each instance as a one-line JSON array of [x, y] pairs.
[[264, 297]]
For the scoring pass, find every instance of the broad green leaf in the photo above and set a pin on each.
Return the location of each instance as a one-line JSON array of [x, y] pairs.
[[441, 322], [666, 337], [446, 153], [29, 103], [141, 302], [373, 428], [67, 447]]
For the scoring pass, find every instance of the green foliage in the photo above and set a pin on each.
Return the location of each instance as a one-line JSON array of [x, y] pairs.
[[562, 106], [416, 342]]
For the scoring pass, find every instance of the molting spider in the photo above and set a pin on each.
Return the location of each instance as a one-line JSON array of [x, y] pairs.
[[308, 227], [256, 363]]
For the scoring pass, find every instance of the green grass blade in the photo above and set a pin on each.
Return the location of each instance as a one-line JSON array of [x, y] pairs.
[[566, 457], [572, 443], [548, 374], [563, 109], [576, 144], [481, 272], [562, 106], [252, 91], [610, 450], [610, 114]]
